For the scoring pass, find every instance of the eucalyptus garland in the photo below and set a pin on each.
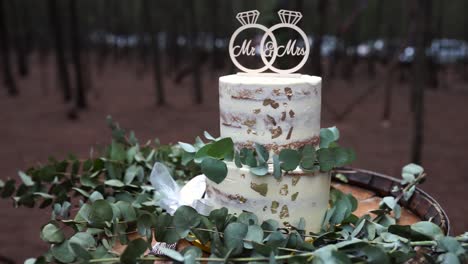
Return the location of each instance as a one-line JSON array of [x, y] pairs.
[[114, 202], [213, 155]]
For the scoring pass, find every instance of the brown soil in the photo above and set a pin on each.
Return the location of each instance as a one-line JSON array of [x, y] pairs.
[[34, 126]]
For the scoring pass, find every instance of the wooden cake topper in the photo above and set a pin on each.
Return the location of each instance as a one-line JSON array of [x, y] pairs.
[[269, 50]]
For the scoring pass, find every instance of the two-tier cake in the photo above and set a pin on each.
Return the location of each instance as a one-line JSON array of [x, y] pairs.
[[277, 112]]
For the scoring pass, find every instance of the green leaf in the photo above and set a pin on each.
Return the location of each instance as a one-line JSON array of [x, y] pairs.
[[208, 136], [218, 217], [144, 224], [171, 253], [84, 239], [191, 254], [117, 151], [260, 170], [237, 159], [247, 157], [127, 211], [135, 249], [27, 180], [221, 148], [326, 159], [375, 255], [96, 196], [254, 234], [289, 159], [276, 167], [114, 183], [161, 231], [233, 237], [185, 218], [131, 172], [428, 229], [448, 258], [413, 169], [309, 157], [100, 212], [450, 244], [187, 147], [328, 136], [8, 189], [247, 218], [215, 170], [63, 253], [52, 234], [262, 153]]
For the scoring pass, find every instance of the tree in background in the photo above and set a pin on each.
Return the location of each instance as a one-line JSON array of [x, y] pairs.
[[80, 97], [422, 16], [8, 78], [61, 63]]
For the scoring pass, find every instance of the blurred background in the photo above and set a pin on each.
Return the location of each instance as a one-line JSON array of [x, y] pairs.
[[395, 81]]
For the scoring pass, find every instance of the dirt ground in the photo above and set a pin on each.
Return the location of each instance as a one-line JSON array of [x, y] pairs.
[[34, 126]]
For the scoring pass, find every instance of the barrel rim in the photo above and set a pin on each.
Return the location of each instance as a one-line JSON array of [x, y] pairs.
[[421, 203]]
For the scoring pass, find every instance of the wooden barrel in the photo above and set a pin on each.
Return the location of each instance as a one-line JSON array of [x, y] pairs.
[[362, 183]]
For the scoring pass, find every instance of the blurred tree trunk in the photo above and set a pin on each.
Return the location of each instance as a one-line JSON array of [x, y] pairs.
[[19, 39], [322, 8], [76, 46], [372, 60], [8, 78], [420, 71], [195, 52], [61, 63], [148, 24]]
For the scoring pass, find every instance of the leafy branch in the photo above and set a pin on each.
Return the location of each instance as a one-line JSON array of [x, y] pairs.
[[213, 155]]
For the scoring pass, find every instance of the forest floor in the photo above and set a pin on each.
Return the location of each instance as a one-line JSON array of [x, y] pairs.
[[34, 126]]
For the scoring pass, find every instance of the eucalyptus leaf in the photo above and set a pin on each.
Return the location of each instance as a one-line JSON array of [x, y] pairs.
[[185, 218], [233, 237], [51, 233], [215, 170], [135, 249], [289, 159], [27, 180], [254, 234], [309, 157], [115, 183], [187, 147]]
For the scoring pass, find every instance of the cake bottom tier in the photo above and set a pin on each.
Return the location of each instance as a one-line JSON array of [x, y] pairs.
[[296, 195]]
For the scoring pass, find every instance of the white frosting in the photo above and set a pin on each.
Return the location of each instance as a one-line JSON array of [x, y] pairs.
[[246, 118], [278, 112], [311, 202]]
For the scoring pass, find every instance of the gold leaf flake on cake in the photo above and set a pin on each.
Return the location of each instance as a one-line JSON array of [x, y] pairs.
[[250, 122], [284, 213], [270, 102], [259, 91], [289, 93], [284, 190], [274, 207], [265, 208], [262, 188], [292, 114], [257, 111], [277, 92], [237, 197], [295, 180], [289, 133], [271, 119], [243, 176], [283, 116], [276, 132], [294, 196]]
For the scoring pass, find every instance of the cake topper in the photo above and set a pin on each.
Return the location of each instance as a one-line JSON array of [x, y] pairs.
[[269, 50]]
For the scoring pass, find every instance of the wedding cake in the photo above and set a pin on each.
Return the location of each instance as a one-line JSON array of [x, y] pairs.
[[277, 112]]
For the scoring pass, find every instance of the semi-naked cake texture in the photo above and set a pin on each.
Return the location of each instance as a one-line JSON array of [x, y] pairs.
[[277, 112]]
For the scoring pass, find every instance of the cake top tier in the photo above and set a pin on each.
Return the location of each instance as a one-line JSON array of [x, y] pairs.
[[275, 111], [270, 79]]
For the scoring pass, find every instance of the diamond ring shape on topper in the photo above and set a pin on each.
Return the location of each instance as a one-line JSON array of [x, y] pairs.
[[269, 50]]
